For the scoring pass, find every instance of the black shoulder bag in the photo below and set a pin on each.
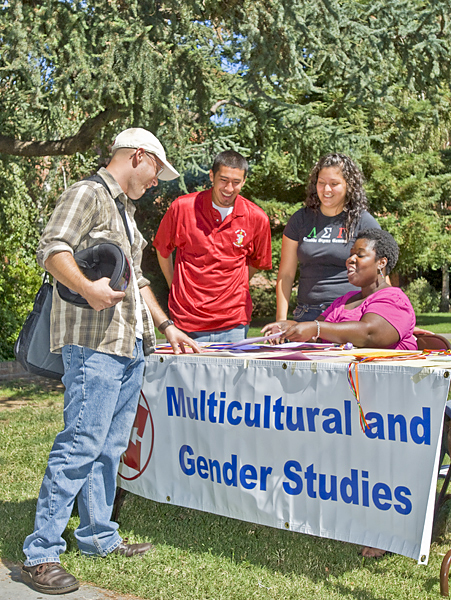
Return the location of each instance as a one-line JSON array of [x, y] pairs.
[[32, 347]]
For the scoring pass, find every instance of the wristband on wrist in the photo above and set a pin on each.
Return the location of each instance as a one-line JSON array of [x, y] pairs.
[[163, 326], [318, 330]]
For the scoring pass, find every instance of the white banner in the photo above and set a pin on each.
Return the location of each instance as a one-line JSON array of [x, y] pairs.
[[280, 444]]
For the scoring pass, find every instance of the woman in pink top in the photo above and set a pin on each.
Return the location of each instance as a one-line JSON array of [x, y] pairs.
[[378, 316]]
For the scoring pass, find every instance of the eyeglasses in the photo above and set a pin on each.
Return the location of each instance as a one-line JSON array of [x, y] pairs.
[[160, 167]]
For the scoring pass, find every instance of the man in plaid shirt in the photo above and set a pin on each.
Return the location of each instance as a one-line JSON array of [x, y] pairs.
[[103, 354]]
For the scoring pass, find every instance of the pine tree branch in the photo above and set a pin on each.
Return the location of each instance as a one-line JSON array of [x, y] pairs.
[[80, 142], [220, 103]]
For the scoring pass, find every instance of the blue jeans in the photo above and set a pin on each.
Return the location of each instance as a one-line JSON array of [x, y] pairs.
[[100, 403], [236, 334], [308, 312]]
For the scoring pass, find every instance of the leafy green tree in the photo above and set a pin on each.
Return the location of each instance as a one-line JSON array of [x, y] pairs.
[[411, 193], [298, 68], [283, 80], [19, 273]]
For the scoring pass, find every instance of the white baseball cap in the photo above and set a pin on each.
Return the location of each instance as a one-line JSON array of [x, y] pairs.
[[136, 137]]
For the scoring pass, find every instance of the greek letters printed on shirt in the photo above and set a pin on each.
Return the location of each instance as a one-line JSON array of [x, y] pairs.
[[322, 253]]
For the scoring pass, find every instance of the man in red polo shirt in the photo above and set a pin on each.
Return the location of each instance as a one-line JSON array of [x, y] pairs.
[[222, 239]]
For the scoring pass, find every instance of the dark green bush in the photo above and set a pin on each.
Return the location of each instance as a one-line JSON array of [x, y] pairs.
[[423, 296], [19, 272]]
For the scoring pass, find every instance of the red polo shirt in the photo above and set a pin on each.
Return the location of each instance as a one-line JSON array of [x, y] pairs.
[[210, 289]]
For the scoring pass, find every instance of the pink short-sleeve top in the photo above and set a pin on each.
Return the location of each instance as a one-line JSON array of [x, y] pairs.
[[391, 303]]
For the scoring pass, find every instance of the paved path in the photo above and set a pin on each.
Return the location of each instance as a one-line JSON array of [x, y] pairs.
[[13, 588]]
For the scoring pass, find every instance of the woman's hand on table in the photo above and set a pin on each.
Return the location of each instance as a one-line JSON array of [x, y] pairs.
[[292, 331], [277, 327], [301, 332]]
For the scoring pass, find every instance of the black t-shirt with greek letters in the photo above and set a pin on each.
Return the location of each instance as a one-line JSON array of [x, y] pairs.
[[322, 253]]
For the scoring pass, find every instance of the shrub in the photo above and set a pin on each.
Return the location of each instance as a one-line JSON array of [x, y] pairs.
[[263, 296], [423, 296], [20, 275]]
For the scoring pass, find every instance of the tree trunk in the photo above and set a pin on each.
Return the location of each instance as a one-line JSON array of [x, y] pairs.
[[444, 301], [80, 142]]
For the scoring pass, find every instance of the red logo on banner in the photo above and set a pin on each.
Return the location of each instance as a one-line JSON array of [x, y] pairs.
[[135, 459]]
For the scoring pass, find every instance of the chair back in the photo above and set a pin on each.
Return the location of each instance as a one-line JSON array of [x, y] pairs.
[[432, 341]]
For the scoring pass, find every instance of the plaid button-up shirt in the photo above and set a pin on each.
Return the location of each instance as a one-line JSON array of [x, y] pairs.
[[84, 216]]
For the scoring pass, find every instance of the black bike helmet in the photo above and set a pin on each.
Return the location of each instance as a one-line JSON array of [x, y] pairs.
[[102, 260]]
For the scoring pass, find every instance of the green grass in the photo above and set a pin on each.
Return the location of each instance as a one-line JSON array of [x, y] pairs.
[[198, 555], [436, 322]]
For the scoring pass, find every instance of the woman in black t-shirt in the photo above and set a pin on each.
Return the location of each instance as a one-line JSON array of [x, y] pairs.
[[319, 237]]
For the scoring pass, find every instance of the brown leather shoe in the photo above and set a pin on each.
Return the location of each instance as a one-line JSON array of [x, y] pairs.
[[132, 549], [50, 578]]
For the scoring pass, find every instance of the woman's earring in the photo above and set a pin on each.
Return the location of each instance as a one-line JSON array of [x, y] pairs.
[[380, 272]]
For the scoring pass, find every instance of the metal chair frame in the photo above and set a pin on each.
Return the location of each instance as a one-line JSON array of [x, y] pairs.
[[427, 341]]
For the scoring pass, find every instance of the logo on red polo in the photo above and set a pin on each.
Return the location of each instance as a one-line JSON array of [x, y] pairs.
[[240, 235], [135, 459]]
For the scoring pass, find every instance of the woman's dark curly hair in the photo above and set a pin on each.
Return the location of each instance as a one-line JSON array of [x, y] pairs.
[[355, 201], [384, 244]]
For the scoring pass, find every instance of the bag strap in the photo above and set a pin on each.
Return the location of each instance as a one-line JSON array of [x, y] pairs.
[[120, 206], [121, 209]]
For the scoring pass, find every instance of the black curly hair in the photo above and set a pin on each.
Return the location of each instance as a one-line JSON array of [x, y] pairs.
[[355, 201], [231, 159], [384, 244]]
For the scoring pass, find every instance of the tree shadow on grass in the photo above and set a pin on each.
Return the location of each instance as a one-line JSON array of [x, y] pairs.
[[424, 320], [16, 522], [286, 552], [20, 392], [292, 555]]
